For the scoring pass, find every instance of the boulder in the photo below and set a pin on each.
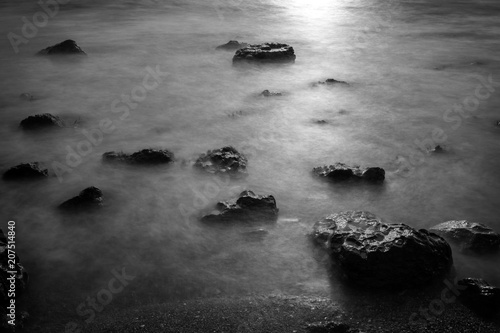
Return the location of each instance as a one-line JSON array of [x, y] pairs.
[[40, 121], [232, 45], [226, 160], [342, 172], [470, 236], [265, 53], [480, 296], [330, 327], [376, 254], [26, 171], [267, 93], [247, 207], [329, 82], [89, 198], [145, 156], [68, 47]]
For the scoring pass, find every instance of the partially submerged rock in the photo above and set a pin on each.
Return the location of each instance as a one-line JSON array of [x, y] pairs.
[[40, 121], [68, 47], [480, 296], [145, 156], [329, 82], [89, 198], [470, 236], [247, 207], [265, 53], [375, 254], [26, 171], [438, 149], [226, 160], [342, 172], [267, 93], [232, 45]]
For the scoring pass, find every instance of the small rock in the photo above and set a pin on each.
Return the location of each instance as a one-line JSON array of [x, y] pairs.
[[145, 156], [40, 121], [320, 121], [226, 160], [26, 171], [265, 53], [480, 296], [232, 45], [67, 47], [438, 149], [498, 123], [267, 93], [343, 172], [89, 198], [329, 82]]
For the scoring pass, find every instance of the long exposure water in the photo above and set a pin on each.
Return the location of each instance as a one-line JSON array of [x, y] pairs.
[[409, 64]]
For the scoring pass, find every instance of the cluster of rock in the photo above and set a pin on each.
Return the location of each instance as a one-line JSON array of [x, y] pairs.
[[68, 47], [145, 156], [89, 198], [226, 160], [343, 172], [40, 121], [265, 53]]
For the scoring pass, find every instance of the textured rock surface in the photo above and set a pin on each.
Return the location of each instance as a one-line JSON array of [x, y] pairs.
[[89, 198], [232, 45], [64, 48], [26, 171], [480, 296], [247, 207], [470, 236], [341, 172], [145, 156], [39, 121], [329, 82], [373, 253], [268, 52], [226, 160]]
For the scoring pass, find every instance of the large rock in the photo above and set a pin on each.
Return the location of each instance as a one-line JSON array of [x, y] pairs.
[[264, 53], [145, 156], [247, 207], [226, 160], [232, 45], [342, 172], [68, 47], [480, 296], [40, 121], [89, 198], [26, 171], [376, 254], [470, 236]]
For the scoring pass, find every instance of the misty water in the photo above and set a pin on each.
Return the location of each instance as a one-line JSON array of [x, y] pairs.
[[408, 63]]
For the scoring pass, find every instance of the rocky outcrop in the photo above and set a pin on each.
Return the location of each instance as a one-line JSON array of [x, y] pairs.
[[470, 236], [480, 296], [247, 207], [330, 327], [265, 53], [226, 160], [329, 82], [40, 121], [89, 198], [68, 47], [26, 171], [343, 172], [375, 254], [232, 45], [267, 93], [145, 156]]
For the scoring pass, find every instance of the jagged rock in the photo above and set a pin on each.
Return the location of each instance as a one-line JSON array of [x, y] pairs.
[[267, 93], [89, 198], [375, 254], [330, 327], [480, 296], [40, 121], [25, 171], [145, 156], [342, 172], [67, 47], [247, 207], [470, 236], [232, 45], [26, 97], [226, 160], [263, 53], [329, 82]]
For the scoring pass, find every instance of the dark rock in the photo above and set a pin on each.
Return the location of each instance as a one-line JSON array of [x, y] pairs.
[[329, 82], [232, 45], [498, 123], [145, 156], [226, 160], [67, 47], [330, 327], [375, 254], [26, 97], [40, 121], [26, 171], [264, 53], [89, 198], [342, 172], [267, 93], [480, 296], [438, 149], [320, 122], [470, 236], [247, 207]]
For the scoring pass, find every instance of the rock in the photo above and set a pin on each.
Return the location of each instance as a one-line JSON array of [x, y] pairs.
[[498, 123], [480, 296], [89, 198], [470, 236], [67, 47], [26, 171], [375, 254], [40, 121], [342, 172], [330, 327], [267, 93], [320, 121], [26, 97], [145, 156], [329, 82], [438, 149], [232, 45], [226, 160], [265, 53], [247, 207]]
